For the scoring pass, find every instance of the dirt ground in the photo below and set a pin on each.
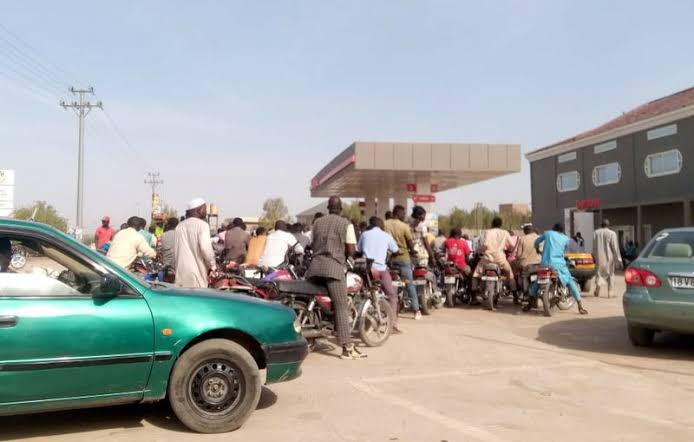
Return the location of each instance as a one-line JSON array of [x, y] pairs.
[[461, 374]]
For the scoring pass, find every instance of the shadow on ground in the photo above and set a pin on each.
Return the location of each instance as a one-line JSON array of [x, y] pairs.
[[609, 335], [97, 419]]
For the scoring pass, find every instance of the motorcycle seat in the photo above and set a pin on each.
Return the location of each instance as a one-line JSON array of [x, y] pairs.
[[301, 287], [492, 267]]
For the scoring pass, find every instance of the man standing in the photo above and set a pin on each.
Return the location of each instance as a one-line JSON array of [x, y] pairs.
[[104, 233], [422, 246], [607, 256], [128, 244], [333, 241], [193, 254], [402, 234], [375, 244], [236, 241], [277, 245], [167, 242], [555, 243]]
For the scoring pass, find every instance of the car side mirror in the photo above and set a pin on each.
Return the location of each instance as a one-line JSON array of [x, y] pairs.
[[110, 286]]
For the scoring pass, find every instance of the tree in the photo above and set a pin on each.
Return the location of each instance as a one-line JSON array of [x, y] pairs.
[[352, 211], [45, 213], [274, 209]]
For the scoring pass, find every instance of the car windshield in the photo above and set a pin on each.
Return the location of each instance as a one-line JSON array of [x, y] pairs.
[[671, 245]]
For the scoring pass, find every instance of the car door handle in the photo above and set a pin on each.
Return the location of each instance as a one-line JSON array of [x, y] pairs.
[[8, 321]]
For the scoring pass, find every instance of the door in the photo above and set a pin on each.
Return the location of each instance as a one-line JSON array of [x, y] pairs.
[[61, 338], [584, 223]]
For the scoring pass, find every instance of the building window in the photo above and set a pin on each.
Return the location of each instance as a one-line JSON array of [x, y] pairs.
[[565, 158], [568, 181], [661, 132], [606, 174], [663, 163], [604, 147]]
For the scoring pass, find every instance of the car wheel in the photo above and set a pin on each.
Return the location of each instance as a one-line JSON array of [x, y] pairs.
[[214, 386], [640, 336], [586, 285]]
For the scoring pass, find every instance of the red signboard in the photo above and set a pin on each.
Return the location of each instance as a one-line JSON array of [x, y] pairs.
[[434, 188], [588, 204], [411, 187], [424, 198]]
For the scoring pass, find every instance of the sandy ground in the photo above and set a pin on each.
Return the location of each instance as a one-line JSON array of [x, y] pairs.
[[458, 375]]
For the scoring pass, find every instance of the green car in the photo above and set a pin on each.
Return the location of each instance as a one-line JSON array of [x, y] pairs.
[[77, 330], [660, 287]]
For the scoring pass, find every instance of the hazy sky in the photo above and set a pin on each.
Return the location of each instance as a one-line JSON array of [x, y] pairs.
[[240, 101]]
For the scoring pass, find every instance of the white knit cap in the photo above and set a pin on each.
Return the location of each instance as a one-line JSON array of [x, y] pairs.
[[195, 203]]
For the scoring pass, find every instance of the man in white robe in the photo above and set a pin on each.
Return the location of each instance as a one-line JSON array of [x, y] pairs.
[[607, 257], [193, 254]]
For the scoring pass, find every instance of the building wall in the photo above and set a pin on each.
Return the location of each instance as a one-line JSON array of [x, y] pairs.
[[635, 187]]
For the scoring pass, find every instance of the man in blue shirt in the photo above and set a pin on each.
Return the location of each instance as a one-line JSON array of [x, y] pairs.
[[555, 244], [375, 244]]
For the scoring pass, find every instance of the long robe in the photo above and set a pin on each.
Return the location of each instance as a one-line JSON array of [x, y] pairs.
[[606, 254], [193, 254]]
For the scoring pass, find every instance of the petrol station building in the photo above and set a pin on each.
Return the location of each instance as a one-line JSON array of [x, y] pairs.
[[379, 172]]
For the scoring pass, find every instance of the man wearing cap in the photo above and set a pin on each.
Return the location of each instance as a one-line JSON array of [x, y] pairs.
[[193, 254], [104, 233]]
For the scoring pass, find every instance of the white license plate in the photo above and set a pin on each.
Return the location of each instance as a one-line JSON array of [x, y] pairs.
[[449, 280], [420, 282], [681, 282], [572, 262], [543, 281], [533, 278], [490, 278], [398, 284]]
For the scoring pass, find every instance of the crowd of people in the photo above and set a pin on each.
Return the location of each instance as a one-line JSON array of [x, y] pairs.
[[188, 248]]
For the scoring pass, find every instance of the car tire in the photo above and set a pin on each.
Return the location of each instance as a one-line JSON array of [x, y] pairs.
[[640, 336], [204, 380], [587, 285]]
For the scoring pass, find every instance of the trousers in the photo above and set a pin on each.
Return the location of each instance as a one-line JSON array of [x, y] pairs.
[[337, 289], [389, 291], [406, 272]]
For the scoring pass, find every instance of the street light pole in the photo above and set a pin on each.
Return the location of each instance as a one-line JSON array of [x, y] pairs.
[[82, 109]]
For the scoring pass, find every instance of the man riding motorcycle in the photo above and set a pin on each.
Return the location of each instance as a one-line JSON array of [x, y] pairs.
[[493, 250], [555, 242]]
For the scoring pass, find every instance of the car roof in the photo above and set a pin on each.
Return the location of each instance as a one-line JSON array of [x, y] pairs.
[[678, 229], [13, 222]]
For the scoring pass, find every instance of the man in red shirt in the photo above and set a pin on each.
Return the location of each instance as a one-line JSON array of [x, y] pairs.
[[457, 250], [104, 233]]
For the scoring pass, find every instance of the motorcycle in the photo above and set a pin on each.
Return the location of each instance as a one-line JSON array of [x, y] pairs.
[[554, 295], [493, 286], [455, 286], [370, 314], [430, 297], [151, 270]]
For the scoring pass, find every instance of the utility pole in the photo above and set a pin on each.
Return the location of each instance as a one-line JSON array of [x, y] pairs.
[[82, 109], [154, 181]]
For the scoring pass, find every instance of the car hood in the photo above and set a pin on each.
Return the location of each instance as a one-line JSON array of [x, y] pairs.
[[229, 295]]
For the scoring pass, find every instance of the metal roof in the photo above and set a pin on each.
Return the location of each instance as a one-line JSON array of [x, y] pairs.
[[366, 167]]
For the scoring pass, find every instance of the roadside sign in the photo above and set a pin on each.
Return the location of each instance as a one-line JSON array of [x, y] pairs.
[[588, 204], [424, 198], [434, 188], [411, 187]]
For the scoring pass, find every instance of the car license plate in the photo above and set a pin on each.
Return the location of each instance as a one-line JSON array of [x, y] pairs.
[[681, 282], [490, 278], [449, 280], [533, 278]]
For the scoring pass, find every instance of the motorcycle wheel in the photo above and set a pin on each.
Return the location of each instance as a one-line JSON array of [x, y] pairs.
[[424, 299], [374, 328], [450, 297], [306, 318], [567, 301], [549, 304], [489, 292]]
